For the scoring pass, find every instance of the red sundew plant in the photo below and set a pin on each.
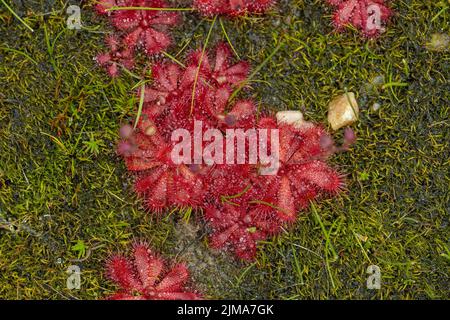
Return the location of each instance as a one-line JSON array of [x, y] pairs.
[[241, 205], [145, 277], [220, 69], [303, 172], [146, 29], [162, 183], [369, 16], [168, 102], [116, 57], [238, 227], [232, 7]]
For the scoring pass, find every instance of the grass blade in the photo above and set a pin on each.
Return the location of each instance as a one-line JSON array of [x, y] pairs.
[[16, 15]]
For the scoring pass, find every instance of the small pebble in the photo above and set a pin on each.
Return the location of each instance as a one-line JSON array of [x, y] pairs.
[[294, 118], [343, 110], [439, 42]]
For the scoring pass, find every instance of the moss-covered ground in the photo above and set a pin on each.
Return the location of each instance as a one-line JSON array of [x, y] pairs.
[[66, 198]]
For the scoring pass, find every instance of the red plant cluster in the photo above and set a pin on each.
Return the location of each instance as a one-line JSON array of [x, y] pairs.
[[116, 57], [232, 7], [369, 16], [145, 277], [241, 205], [146, 29]]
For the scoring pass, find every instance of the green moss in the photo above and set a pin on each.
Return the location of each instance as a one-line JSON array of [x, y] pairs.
[[56, 190]]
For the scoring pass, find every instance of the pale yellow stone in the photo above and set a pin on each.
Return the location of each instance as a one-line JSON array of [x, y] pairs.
[[150, 131], [289, 116], [343, 111], [439, 42], [294, 118]]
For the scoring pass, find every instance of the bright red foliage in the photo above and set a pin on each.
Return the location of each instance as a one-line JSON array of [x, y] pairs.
[[369, 16], [146, 29], [169, 99], [117, 57], [232, 7], [238, 227], [144, 277], [162, 183], [220, 70], [241, 206], [303, 172]]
